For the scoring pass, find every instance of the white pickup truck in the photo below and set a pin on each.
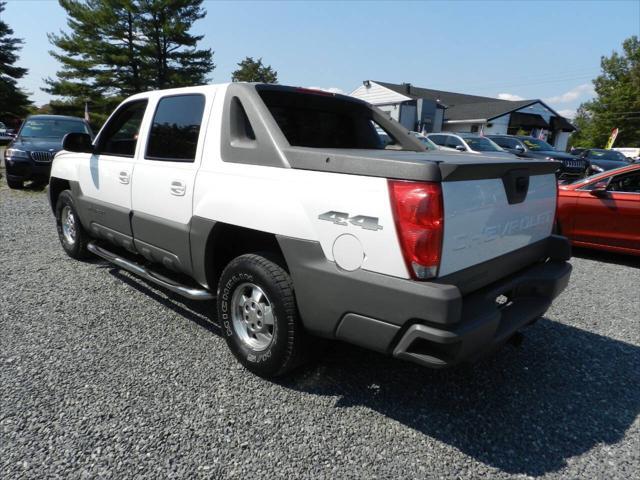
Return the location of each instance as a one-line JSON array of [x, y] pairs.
[[285, 206]]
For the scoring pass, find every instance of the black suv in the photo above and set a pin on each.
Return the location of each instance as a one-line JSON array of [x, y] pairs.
[[529, 147], [600, 159], [29, 155]]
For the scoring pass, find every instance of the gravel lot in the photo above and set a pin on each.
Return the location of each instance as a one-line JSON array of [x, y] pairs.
[[102, 375]]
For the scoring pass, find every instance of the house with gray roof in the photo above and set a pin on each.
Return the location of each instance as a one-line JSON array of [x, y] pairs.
[[427, 110]]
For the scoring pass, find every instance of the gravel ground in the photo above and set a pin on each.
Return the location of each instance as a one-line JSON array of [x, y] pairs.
[[102, 375]]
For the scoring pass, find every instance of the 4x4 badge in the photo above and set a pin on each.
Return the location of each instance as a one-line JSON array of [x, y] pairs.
[[342, 218]]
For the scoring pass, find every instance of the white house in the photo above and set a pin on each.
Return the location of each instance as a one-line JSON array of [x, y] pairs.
[[426, 110]]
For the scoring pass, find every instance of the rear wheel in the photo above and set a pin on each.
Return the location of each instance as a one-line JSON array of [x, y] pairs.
[[259, 317], [72, 236]]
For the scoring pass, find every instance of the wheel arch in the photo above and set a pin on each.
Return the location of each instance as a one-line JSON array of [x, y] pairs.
[[215, 244], [56, 187]]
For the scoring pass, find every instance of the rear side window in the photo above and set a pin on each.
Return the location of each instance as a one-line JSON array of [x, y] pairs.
[[505, 142], [438, 139], [453, 142], [120, 135], [321, 120], [175, 128]]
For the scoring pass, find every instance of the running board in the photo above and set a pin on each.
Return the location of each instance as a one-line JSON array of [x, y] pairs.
[[185, 291]]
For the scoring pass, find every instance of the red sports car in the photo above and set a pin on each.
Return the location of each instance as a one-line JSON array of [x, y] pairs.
[[603, 211]]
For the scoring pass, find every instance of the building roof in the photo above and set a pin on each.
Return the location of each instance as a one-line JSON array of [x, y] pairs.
[[460, 106], [447, 98], [485, 110]]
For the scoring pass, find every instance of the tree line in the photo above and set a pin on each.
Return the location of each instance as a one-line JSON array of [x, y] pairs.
[[113, 49], [616, 104]]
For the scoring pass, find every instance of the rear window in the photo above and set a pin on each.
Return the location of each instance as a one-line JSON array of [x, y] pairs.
[[324, 121]]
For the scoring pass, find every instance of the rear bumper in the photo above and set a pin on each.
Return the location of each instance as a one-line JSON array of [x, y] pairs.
[[434, 324], [489, 318]]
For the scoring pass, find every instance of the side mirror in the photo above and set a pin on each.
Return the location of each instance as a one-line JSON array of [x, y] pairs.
[[519, 148], [460, 148], [599, 189], [77, 142]]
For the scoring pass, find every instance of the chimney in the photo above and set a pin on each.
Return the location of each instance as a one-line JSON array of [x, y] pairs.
[[407, 88]]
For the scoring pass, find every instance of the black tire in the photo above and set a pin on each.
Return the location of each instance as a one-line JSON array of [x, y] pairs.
[[288, 346], [78, 248], [15, 184]]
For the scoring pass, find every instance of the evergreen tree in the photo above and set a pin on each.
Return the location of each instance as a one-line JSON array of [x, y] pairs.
[[13, 101], [250, 70], [115, 48], [169, 47]]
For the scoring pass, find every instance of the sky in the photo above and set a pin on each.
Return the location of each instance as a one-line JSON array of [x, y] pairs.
[[535, 49]]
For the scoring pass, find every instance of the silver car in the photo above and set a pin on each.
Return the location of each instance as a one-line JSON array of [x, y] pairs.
[[468, 142]]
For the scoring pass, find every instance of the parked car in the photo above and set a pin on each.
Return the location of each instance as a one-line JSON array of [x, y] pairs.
[[29, 155], [283, 205], [6, 134], [601, 160], [571, 168], [467, 142], [603, 210]]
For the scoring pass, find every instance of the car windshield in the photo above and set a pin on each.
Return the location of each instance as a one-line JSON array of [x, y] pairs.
[[536, 145], [52, 127], [607, 155], [482, 144]]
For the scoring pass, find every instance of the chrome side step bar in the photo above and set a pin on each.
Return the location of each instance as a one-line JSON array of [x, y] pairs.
[[185, 291]]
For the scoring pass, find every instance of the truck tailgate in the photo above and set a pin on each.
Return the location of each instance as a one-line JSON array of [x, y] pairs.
[[480, 223]]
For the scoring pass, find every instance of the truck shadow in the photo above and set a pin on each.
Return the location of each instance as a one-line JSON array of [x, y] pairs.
[[198, 311], [525, 410], [607, 257]]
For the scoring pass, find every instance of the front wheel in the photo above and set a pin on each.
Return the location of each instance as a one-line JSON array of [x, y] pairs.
[[260, 320], [72, 236], [15, 184]]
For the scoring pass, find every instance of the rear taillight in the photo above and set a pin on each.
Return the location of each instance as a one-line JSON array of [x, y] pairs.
[[419, 216]]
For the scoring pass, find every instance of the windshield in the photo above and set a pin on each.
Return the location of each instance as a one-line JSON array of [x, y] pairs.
[[536, 145], [52, 127], [607, 155], [482, 144]]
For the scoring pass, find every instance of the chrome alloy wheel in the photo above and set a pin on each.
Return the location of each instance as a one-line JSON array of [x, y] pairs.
[[252, 316], [68, 221]]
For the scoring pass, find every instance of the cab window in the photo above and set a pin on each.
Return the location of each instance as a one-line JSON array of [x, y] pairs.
[[438, 139], [120, 135], [175, 128], [506, 142], [453, 142]]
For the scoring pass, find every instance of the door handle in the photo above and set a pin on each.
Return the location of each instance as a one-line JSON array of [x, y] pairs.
[[123, 177], [178, 188]]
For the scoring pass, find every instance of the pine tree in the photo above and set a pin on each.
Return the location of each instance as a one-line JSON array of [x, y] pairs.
[[13, 101], [115, 48], [250, 70], [169, 47]]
